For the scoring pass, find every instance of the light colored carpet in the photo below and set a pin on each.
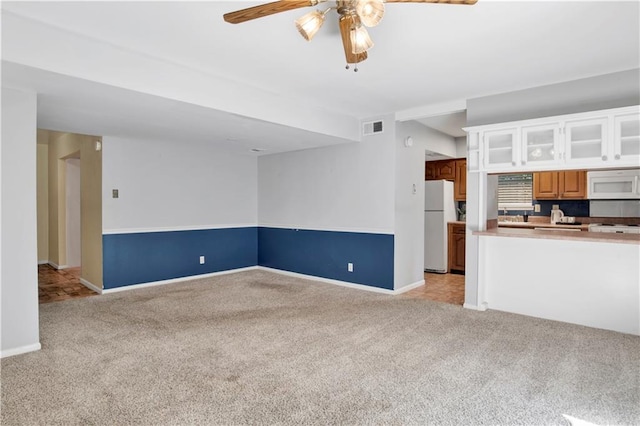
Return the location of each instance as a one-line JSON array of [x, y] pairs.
[[261, 348]]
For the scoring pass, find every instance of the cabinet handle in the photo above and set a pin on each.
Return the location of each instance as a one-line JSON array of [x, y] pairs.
[[604, 158], [617, 156], [513, 163], [523, 162]]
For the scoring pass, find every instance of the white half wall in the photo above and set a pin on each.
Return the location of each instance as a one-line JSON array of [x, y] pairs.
[[175, 185], [19, 254], [346, 187], [580, 282]]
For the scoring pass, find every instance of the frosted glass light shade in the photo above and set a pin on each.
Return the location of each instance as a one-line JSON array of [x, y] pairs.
[[370, 11], [360, 40], [309, 24]]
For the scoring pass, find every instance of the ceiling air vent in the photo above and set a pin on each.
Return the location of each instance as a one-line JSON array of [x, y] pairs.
[[371, 127]]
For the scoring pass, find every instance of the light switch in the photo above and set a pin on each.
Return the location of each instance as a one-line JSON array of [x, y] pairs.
[[114, 193]]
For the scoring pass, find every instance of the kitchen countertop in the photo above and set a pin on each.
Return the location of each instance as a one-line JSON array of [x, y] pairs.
[[458, 222], [601, 237], [532, 225]]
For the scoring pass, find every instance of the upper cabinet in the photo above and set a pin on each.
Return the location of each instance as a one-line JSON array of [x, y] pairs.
[[501, 148], [455, 170], [600, 139], [626, 139], [586, 141], [441, 169], [460, 182], [564, 185]]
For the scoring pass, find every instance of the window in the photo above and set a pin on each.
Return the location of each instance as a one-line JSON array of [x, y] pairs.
[[515, 191]]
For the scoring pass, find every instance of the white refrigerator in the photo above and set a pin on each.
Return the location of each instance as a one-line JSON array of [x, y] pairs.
[[439, 210]]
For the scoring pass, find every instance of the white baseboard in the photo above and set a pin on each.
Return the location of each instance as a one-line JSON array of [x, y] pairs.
[[43, 262], [20, 350], [330, 281], [409, 287], [58, 266], [174, 280], [90, 286], [483, 306]]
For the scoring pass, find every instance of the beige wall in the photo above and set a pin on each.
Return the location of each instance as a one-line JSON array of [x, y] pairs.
[[42, 191], [61, 147], [91, 210]]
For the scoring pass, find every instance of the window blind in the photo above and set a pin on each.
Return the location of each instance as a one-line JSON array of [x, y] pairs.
[[515, 191]]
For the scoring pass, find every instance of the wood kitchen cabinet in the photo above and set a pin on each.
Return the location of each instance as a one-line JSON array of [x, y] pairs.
[[460, 182], [453, 170], [456, 246], [565, 185], [442, 169]]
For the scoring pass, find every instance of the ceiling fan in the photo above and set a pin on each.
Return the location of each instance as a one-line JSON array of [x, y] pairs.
[[354, 16]]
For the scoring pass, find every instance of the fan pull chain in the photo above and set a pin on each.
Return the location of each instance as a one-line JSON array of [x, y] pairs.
[[355, 67]]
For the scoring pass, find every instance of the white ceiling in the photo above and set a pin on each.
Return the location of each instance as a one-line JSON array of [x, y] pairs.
[[450, 124], [424, 54]]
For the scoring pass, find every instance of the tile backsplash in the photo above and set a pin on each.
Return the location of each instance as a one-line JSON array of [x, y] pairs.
[[578, 208]]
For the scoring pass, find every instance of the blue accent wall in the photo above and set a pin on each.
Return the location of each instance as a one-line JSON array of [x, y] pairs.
[[154, 256], [326, 254]]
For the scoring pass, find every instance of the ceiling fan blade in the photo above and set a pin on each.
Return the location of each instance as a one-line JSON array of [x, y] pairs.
[[266, 9], [467, 2], [346, 23]]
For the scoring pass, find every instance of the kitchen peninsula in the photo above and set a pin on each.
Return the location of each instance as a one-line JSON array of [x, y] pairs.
[[584, 278]]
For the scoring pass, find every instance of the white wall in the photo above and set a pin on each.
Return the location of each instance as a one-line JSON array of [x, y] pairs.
[[73, 211], [437, 141], [588, 94], [409, 207], [461, 147], [175, 185], [592, 284], [345, 187], [19, 279]]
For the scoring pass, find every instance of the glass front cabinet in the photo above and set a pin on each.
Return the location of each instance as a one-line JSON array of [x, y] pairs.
[[540, 144], [586, 141], [501, 149], [590, 140], [626, 146]]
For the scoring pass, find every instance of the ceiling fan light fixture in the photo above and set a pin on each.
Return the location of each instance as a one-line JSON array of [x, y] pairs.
[[360, 40], [370, 11], [309, 24]]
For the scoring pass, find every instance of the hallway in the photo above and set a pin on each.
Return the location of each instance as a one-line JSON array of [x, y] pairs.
[[60, 284]]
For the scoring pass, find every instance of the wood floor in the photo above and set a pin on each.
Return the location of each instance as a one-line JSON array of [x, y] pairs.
[[447, 288], [60, 284]]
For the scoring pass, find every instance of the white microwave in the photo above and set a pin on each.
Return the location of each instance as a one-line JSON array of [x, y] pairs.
[[613, 185]]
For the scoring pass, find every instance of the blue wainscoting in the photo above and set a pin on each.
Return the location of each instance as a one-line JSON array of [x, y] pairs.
[[326, 254], [155, 256]]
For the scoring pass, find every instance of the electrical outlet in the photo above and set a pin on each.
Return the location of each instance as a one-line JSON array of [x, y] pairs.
[[350, 267], [202, 260], [536, 208]]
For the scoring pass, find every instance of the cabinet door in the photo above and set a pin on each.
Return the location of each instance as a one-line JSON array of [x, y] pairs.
[[446, 169], [457, 242], [626, 140], [586, 142], [573, 184], [460, 183], [500, 149], [429, 170], [540, 144], [545, 186]]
